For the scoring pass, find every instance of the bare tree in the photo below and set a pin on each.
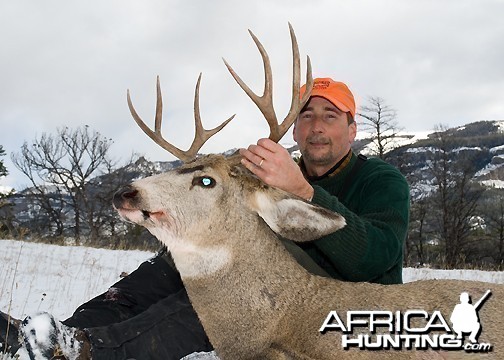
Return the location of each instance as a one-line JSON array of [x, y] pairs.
[[456, 197], [3, 169], [61, 168], [47, 203], [415, 245], [380, 120], [494, 216], [6, 214]]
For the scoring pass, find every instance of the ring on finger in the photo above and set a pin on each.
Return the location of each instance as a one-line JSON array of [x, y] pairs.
[[260, 164]]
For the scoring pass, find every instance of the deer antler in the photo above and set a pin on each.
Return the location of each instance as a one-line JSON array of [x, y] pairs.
[[265, 102], [201, 134]]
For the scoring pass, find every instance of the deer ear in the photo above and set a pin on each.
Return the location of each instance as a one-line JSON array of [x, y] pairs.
[[294, 218]]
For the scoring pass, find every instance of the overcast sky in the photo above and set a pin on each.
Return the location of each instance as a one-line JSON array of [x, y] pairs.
[[69, 63]]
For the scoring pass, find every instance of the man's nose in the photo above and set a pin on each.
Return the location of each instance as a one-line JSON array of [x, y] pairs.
[[317, 124]]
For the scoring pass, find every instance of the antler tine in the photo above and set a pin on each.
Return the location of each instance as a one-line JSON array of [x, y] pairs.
[[201, 134], [159, 108], [265, 102], [156, 134], [200, 137], [296, 103]]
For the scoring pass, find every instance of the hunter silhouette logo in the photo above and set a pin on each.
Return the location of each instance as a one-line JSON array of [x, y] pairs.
[[411, 329], [464, 317]]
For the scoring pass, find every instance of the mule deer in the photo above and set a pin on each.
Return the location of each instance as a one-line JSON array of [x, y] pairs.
[[221, 225]]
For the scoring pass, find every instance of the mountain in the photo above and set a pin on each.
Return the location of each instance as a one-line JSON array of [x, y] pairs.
[[482, 143]]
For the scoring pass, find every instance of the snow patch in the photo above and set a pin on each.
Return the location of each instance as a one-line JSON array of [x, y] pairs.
[[496, 184], [47, 337], [401, 139], [496, 149], [465, 148], [421, 149], [488, 169], [414, 274], [5, 190], [500, 125], [201, 356]]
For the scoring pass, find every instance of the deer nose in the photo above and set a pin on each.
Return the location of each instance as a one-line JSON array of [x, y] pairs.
[[127, 193]]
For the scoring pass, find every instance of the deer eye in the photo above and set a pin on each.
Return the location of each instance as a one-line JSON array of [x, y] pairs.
[[203, 181]]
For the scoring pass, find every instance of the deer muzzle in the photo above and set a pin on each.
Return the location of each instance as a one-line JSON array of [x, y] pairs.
[[127, 202], [126, 197]]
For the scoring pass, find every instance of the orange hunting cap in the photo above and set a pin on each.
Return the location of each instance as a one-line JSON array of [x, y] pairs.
[[336, 92]]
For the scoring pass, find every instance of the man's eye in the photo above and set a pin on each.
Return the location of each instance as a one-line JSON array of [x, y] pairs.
[[330, 116], [204, 181]]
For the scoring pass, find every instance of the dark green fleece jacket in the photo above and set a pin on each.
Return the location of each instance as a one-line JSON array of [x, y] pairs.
[[376, 209]]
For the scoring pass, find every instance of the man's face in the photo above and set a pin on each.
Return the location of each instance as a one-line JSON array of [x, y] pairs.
[[323, 133]]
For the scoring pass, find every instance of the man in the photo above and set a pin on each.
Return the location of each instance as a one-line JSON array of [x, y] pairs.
[[147, 315], [372, 196]]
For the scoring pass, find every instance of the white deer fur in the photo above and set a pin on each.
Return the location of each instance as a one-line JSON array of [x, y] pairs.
[[254, 300]]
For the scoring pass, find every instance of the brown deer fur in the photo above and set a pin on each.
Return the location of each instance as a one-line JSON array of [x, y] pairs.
[[254, 300]]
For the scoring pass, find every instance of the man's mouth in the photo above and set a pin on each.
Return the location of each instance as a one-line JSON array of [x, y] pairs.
[[318, 141], [318, 144]]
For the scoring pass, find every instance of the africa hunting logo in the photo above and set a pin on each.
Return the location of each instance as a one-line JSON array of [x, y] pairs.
[[404, 331]]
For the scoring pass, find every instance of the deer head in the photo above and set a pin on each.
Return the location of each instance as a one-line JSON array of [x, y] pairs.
[[202, 210]]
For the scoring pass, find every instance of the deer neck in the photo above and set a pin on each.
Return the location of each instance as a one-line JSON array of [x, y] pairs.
[[260, 256], [261, 277]]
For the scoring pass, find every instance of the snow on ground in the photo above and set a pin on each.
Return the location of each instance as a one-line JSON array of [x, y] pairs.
[[414, 274], [39, 277]]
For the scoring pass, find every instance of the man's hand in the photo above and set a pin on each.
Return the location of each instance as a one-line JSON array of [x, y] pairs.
[[273, 164]]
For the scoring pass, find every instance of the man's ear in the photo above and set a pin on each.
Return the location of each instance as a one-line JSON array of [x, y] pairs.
[[352, 131], [294, 218]]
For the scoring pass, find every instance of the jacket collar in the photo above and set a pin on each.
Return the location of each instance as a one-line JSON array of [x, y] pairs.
[[336, 169]]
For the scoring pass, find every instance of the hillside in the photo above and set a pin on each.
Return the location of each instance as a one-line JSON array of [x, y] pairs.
[[482, 142]]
